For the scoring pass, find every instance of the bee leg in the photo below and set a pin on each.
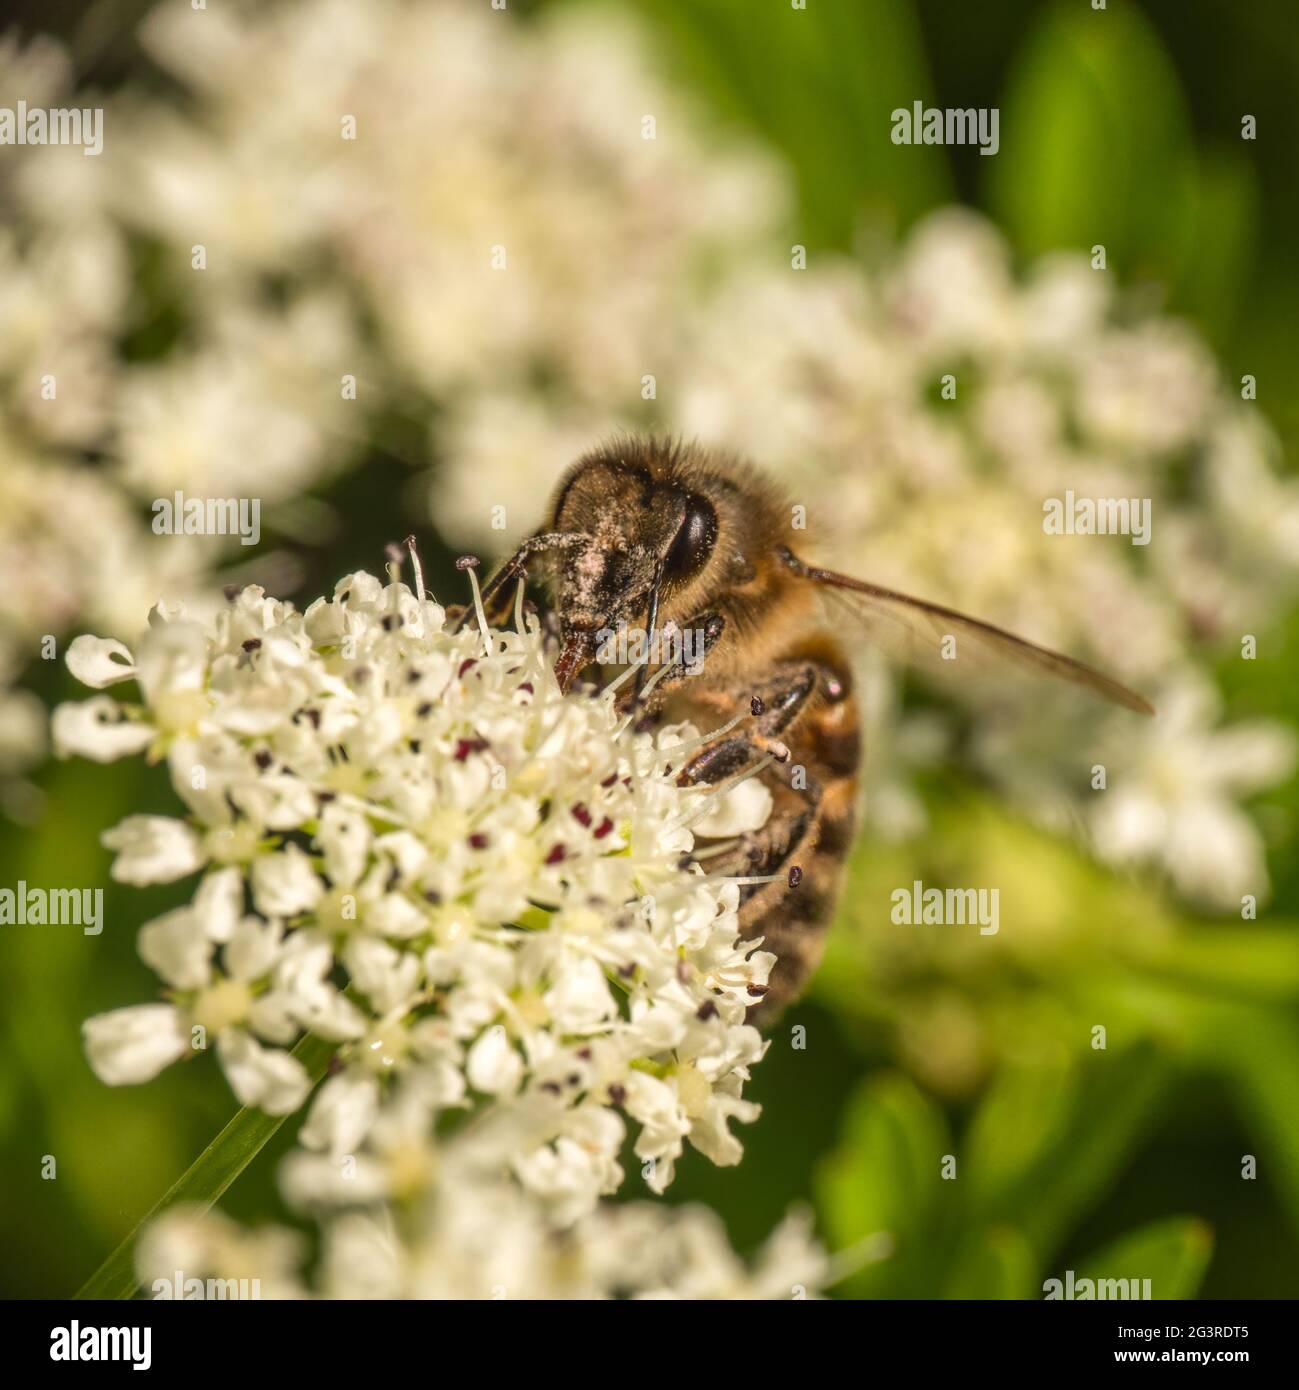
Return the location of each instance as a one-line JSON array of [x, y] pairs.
[[773, 849], [776, 706]]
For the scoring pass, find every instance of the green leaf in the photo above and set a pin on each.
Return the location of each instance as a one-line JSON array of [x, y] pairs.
[[1258, 963], [1213, 285], [1117, 1102], [207, 1178], [1258, 1050], [1095, 143], [1026, 1111], [1173, 1254], [995, 1263], [819, 84], [884, 1176]]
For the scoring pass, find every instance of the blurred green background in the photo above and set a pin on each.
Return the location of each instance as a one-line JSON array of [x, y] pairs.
[[1124, 1160]]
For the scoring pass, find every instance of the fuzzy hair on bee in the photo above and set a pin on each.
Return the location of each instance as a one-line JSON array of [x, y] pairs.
[[659, 535]]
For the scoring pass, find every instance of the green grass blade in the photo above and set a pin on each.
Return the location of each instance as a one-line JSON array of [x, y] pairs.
[[207, 1179]]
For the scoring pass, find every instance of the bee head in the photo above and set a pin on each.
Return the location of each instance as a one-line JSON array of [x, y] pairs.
[[634, 538]]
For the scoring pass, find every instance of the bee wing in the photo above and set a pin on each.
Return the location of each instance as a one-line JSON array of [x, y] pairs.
[[914, 630]]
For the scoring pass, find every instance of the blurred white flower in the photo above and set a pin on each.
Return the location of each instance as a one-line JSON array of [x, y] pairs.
[[1176, 798], [502, 253], [486, 1239]]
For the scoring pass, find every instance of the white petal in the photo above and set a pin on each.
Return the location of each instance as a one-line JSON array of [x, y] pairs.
[[267, 1077], [494, 1066], [173, 658], [272, 1017], [344, 839], [96, 729], [386, 976], [285, 884], [152, 849], [742, 809], [90, 659], [253, 949], [311, 1179], [219, 904], [176, 946], [329, 1013], [342, 1113], [580, 998], [132, 1045]]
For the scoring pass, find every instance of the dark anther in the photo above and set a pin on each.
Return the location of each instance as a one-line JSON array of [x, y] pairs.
[[263, 759], [795, 876], [252, 644], [706, 1010], [468, 562], [477, 841], [757, 707]]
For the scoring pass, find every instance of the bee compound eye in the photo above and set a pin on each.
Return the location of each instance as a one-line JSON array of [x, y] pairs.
[[694, 540]]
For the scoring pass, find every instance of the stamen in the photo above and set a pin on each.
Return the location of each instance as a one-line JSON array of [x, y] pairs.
[[415, 564], [470, 563], [690, 745], [721, 847], [623, 679], [655, 678], [519, 625], [744, 882]]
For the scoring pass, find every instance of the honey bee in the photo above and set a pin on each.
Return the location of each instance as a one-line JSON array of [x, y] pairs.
[[663, 536]]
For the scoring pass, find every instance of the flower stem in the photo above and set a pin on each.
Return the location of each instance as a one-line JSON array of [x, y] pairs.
[[206, 1180]]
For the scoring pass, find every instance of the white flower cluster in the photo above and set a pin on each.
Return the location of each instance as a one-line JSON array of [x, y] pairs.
[[477, 137], [627, 258], [502, 251], [486, 1240], [414, 847]]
